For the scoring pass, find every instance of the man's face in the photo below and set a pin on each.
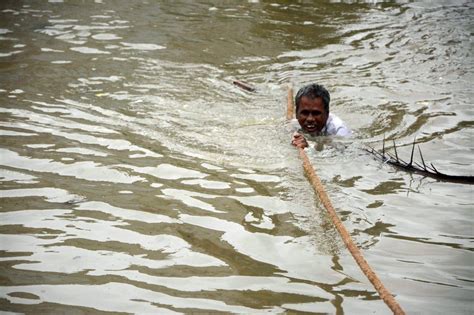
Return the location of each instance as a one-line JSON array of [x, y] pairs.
[[311, 114]]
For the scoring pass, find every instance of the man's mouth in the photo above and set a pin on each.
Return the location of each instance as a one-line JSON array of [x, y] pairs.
[[311, 127]]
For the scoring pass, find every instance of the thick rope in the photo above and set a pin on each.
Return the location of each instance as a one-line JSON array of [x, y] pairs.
[[318, 187], [291, 105]]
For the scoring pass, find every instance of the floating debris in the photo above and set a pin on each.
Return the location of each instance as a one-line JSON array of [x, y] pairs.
[[244, 86], [415, 167]]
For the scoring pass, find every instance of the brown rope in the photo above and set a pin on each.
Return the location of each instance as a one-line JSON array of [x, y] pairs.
[[318, 187], [291, 105]]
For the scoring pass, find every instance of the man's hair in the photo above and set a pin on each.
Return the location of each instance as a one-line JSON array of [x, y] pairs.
[[313, 91]]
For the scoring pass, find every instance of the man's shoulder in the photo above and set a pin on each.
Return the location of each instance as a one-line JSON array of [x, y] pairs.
[[335, 126]]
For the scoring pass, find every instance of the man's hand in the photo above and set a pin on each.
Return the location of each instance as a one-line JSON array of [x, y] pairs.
[[299, 141]]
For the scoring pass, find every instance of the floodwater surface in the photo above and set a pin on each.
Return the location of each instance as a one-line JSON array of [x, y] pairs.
[[136, 178]]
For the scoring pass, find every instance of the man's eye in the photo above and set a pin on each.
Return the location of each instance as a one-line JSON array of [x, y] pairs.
[[305, 113]]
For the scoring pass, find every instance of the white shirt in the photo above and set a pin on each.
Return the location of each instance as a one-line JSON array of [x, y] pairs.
[[334, 127]]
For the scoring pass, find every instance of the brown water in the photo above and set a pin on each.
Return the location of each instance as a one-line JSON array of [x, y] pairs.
[[136, 178]]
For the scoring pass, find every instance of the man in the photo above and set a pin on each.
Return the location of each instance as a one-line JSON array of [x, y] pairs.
[[312, 114]]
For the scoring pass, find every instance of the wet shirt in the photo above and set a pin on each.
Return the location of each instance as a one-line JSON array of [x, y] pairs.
[[334, 127]]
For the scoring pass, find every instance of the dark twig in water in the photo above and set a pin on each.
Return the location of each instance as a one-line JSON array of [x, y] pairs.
[[395, 149], [415, 167], [383, 145], [244, 86], [412, 151], [421, 155]]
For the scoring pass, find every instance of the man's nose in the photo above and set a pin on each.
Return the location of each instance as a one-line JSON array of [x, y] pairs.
[[311, 117]]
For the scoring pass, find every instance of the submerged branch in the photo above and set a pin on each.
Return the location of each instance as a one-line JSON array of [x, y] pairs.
[[415, 167]]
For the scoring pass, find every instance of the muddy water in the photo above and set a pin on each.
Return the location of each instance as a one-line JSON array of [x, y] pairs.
[[136, 178]]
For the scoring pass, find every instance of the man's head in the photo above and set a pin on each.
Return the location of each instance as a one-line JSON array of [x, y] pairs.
[[312, 107]]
